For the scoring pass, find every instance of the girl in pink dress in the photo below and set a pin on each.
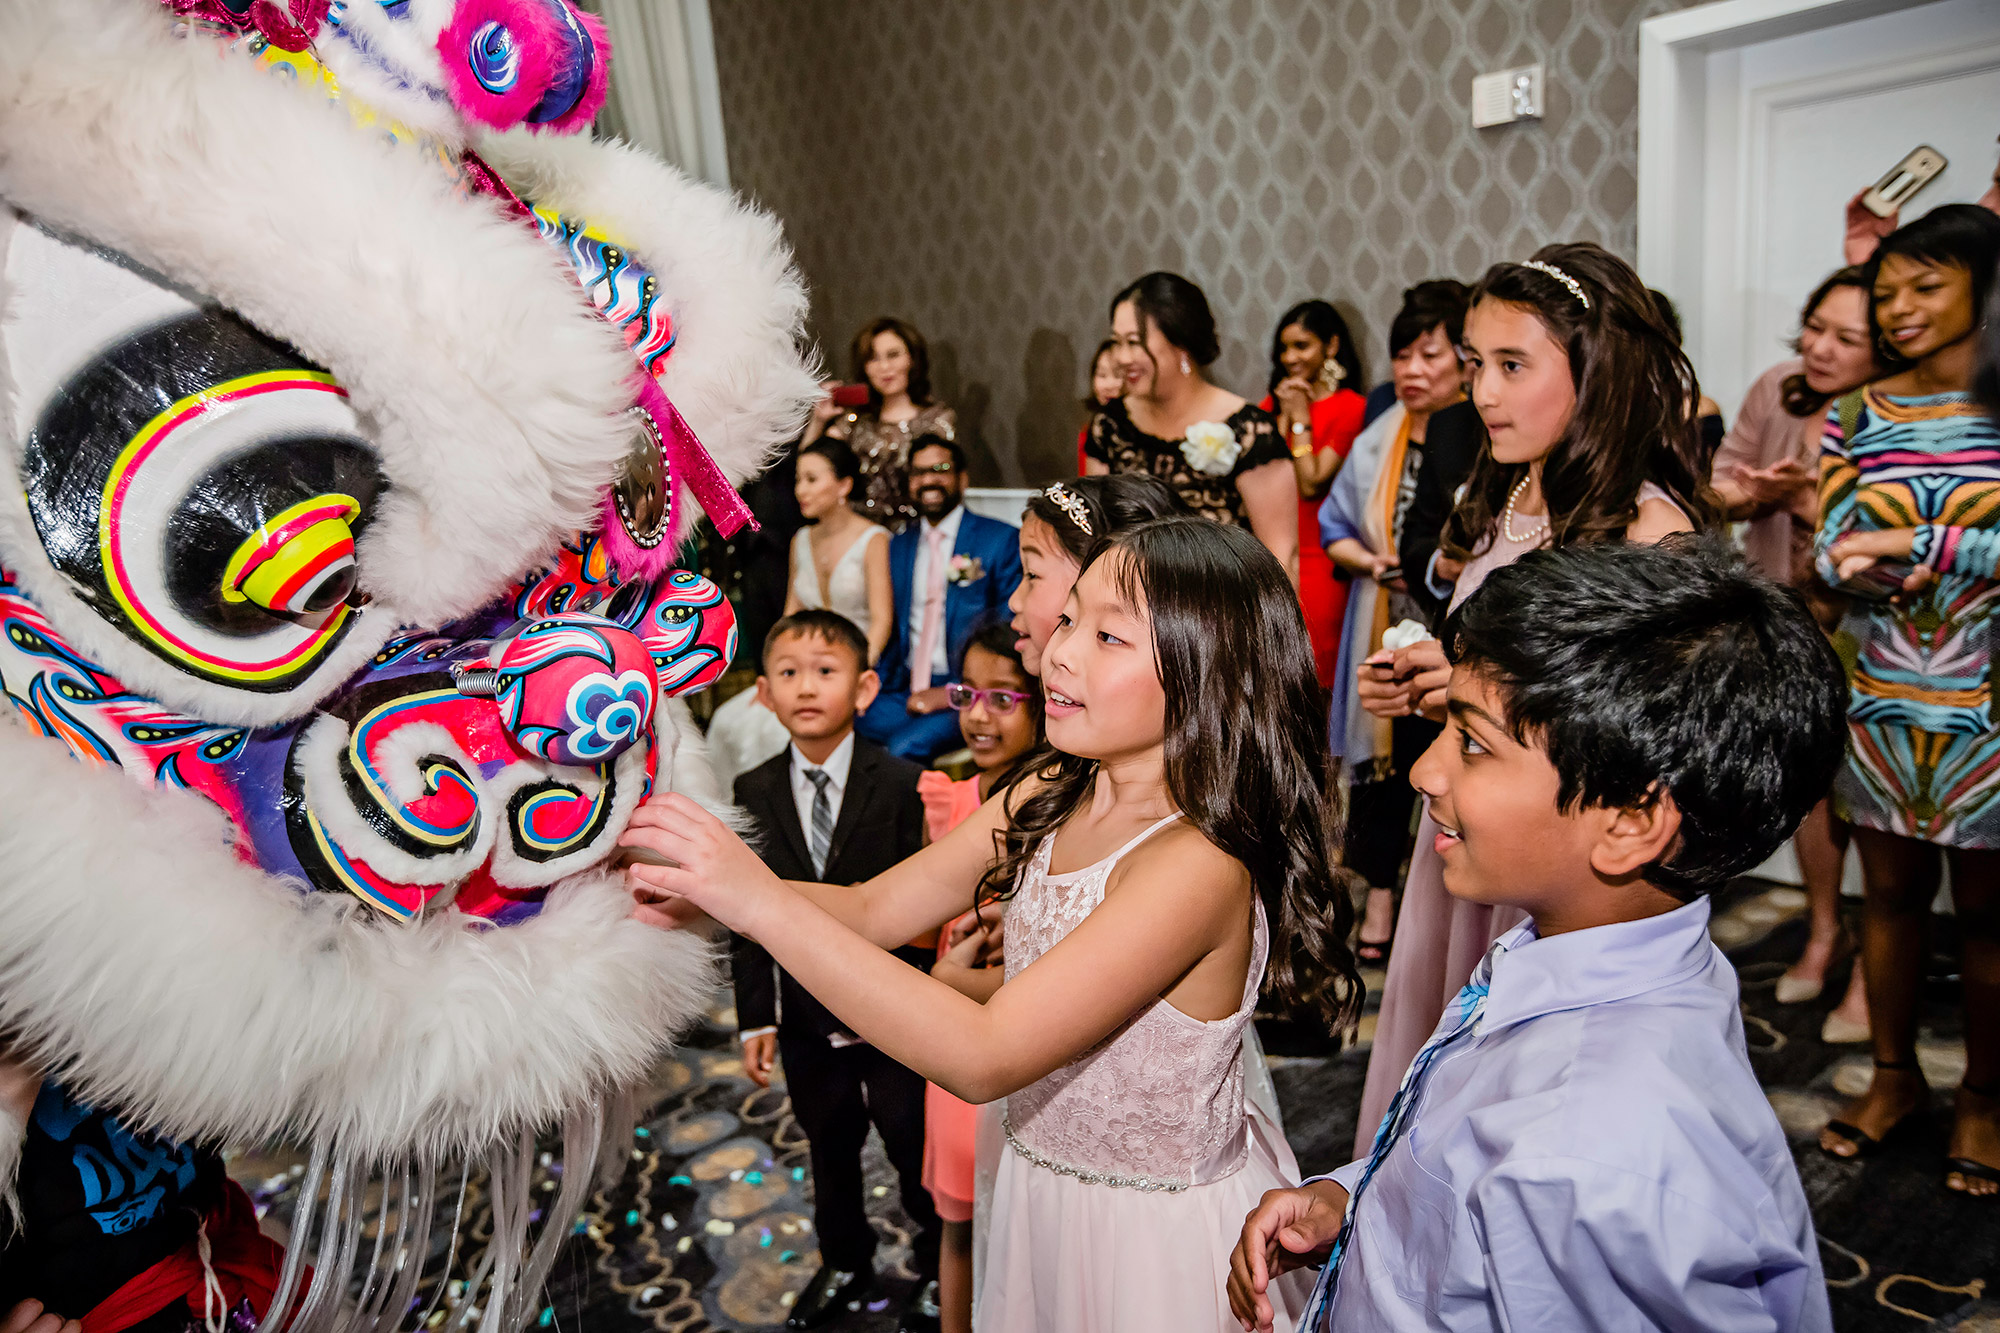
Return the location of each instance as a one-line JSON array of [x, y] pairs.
[[1588, 405], [1000, 716], [1179, 837]]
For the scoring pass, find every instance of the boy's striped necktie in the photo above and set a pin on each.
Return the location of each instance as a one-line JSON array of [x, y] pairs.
[[1461, 1017], [819, 838]]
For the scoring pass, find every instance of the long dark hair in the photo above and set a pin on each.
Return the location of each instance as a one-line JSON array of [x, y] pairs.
[[1110, 504], [920, 360], [1245, 751], [838, 456], [1799, 398], [1323, 322], [1958, 235], [1634, 420], [1177, 308]]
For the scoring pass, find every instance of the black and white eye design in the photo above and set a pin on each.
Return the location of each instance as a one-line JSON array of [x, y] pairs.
[[202, 486]]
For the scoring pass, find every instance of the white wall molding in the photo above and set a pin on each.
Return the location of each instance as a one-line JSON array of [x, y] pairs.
[[1004, 503], [1707, 125]]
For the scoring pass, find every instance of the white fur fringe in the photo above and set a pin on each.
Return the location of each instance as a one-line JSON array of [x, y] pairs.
[[154, 971]]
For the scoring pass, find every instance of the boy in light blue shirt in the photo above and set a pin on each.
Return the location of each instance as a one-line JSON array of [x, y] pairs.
[[1582, 1143]]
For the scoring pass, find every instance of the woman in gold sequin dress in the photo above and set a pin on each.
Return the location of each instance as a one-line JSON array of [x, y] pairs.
[[891, 358]]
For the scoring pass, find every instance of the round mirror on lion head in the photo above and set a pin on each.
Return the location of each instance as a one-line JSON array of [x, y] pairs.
[[644, 502]]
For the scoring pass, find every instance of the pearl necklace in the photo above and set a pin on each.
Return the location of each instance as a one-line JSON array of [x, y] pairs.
[[1507, 516]]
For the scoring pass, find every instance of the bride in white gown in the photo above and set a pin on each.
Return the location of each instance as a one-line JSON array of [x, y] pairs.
[[840, 562]]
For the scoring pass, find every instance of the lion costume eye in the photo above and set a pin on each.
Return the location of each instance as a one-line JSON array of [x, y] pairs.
[[249, 455]]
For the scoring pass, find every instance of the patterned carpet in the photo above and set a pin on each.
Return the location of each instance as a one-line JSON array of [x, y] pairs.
[[710, 1227]]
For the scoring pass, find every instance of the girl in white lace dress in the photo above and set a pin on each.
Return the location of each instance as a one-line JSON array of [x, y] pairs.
[[1179, 840]]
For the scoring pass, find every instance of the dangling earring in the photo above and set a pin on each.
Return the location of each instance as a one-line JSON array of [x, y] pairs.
[[1185, 369], [1331, 373]]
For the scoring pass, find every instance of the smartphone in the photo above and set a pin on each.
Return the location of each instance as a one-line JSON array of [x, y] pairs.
[[1919, 167], [851, 396]]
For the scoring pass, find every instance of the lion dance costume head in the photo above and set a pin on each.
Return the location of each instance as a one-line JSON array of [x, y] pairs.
[[354, 403]]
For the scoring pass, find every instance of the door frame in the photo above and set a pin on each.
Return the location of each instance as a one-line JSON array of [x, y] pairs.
[[1685, 209]]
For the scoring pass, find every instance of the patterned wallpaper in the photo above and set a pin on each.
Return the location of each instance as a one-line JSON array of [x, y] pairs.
[[995, 169]]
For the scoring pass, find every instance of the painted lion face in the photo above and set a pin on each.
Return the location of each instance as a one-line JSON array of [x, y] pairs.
[[202, 490]]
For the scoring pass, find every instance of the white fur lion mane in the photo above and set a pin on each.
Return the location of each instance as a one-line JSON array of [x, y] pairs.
[[143, 962]]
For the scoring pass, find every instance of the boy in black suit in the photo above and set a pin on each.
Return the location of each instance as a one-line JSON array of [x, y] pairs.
[[837, 810]]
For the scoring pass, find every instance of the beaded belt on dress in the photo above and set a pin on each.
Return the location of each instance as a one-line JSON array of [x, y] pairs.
[[1150, 1184]]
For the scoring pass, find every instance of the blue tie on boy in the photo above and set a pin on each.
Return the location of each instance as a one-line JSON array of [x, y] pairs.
[[1583, 1143]]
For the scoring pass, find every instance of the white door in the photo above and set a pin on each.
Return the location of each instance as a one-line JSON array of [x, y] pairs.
[[1759, 119], [1774, 114]]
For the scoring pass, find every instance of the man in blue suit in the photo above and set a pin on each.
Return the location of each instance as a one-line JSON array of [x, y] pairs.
[[953, 571]]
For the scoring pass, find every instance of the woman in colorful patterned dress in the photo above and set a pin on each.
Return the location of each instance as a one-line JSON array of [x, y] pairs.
[[1910, 525]]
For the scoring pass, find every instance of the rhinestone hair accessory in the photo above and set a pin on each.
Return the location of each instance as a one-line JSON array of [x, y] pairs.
[[1575, 287], [1072, 504]]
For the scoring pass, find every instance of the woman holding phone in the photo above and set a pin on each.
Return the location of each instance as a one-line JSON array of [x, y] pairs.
[[1908, 497], [887, 403], [1360, 526]]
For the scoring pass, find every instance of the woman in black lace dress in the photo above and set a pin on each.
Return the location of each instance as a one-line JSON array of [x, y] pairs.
[[1219, 453]]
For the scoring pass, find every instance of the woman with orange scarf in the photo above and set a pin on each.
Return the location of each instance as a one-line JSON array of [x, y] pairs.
[[1361, 525]]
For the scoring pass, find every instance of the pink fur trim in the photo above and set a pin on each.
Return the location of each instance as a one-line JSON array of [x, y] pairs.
[[539, 39], [636, 563]]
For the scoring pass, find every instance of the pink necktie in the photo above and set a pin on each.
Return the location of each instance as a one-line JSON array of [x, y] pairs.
[[920, 666]]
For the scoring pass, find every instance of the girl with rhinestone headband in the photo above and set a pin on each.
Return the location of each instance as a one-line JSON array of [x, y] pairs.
[[1058, 528], [1182, 835], [1588, 408]]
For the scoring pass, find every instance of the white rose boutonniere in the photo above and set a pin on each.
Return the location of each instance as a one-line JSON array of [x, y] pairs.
[[1211, 448], [964, 570]]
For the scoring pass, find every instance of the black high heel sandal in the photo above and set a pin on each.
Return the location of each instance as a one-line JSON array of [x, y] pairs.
[[1965, 1166], [1375, 953], [1866, 1144]]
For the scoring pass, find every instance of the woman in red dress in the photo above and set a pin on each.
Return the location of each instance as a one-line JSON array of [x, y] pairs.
[[1315, 375]]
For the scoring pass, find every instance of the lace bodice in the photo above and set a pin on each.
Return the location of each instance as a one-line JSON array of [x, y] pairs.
[[1158, 1103], [848, 585]]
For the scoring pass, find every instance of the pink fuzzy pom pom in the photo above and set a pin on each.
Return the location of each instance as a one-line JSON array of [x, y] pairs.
[[534, 62]]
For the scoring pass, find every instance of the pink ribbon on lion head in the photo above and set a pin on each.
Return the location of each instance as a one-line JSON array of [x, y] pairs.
[[643, 547]]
